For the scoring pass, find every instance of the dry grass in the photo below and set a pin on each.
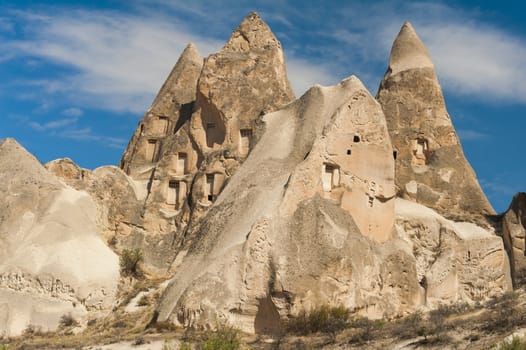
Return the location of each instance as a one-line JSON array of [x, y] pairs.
[[480, 327]]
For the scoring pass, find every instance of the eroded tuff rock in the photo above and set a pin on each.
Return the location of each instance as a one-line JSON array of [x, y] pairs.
[[198, 131], [285, 232], [308, 219], [513, 223], [451, 255], [262, 207], [53, 258], [171, 108], [430, 165]]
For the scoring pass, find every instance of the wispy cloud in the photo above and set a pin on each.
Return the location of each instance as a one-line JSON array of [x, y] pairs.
[[471, 135], [5, 25], [303, 75], [86, 134], [54, 124], [119, 59], [73, 112]]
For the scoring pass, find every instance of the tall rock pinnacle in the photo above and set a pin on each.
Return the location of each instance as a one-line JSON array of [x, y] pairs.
[[170, 109], [408, 52], [243, 81], [431, 168], [200, 128]]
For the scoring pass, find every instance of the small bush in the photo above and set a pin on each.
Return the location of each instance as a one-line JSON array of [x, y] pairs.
[[139, 341], [324, 319], [112, 242], [365, 329], [163, 327], [130, 262], [32, 330], [516, 344], [224, 338], [186, 346], [409, 326], [67, 321], [503, 301]]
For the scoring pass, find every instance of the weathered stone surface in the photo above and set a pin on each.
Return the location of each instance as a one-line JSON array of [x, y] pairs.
[[513, 223], [282, 236], [171, 108], [185, 172], [243, 81], [430, 165], [53, 260], [261, 206], [455, 261]]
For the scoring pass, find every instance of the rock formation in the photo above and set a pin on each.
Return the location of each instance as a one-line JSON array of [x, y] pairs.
[[430, 165], [259, 206], [200, 128], [513, 224], [286, 232], [308, 219], [53, 258]]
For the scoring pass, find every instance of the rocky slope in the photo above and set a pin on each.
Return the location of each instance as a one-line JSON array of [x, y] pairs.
[[53, 258], [259, 206]]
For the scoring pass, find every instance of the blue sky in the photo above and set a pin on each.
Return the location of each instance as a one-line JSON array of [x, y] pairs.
[[76, 76]]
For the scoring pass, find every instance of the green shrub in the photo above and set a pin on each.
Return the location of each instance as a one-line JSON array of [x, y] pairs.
[[224, 338], [324, 319], [516, 344], [409, 326], [366, 329], [130, 262], [185, 346], [67, 321]]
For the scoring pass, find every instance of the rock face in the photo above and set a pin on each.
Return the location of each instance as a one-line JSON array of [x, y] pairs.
[[451, 255], [198, 131], [53, 258], [169, 111], [286, 232], [430, 165], [308, 219], [513, 224], [260, 206]]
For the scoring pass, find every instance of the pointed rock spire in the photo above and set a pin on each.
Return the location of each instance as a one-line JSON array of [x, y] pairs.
[[179, 87], [408, 51], [431, 168], [252, 33], [239, 84], [22, 167], [171, 108]]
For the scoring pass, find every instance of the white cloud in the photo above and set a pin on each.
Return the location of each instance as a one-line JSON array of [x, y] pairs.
[[86, 134], [471, 135], [303, 75], [54, 124], [476, 59], [472, 57], [73, 112], [120, 60]]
